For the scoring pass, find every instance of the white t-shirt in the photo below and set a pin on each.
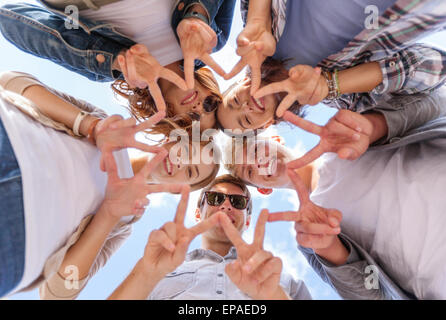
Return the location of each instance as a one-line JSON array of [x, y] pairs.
[[143, 21], [61, 180], [394, 205]]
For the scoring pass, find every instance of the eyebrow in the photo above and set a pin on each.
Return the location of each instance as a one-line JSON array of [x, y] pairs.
[[197, 171]]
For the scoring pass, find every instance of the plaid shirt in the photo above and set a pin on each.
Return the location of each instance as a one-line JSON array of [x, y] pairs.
[[407, 67]]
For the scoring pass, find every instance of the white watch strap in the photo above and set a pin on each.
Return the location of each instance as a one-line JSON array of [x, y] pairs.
[[78, 122]]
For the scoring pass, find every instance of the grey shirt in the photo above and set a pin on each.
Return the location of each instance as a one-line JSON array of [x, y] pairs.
[[202, 277], [350, 279]]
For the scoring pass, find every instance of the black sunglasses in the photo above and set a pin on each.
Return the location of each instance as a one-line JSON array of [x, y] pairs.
[[238, 201], [211, 103]]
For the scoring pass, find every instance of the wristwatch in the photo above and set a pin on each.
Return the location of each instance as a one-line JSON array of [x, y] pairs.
[[196, 15]]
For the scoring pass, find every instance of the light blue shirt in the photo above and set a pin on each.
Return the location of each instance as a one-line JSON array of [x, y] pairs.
[[315, 29], [202, 276]]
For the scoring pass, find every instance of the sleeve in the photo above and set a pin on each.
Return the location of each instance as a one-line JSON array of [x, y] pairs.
[[299, 291], [418, 68], [359, 278], [18, 82], [406, 112], [42, 33], [58, 288]]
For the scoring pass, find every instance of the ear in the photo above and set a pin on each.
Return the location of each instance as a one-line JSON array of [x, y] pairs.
[[269, 123], [197, 215]]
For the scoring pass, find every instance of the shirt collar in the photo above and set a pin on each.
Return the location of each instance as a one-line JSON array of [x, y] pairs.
[[200, 253]]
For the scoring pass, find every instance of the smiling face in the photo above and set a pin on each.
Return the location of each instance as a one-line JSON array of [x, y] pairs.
[[170, 170], [238, 217], [241, 111], [268, 167], [199, 100]]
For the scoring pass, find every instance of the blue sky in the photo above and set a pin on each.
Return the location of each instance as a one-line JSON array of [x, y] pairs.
[[279, 236]]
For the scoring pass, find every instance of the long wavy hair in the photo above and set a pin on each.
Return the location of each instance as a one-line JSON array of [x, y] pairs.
[[141, 105]]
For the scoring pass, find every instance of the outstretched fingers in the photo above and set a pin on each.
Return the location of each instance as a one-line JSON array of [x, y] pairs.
[[302, 123], [307, 158], [182, 206], [205, 225], [150, 165], [157, 96], [316, 228], [236, 69], [283, 216], [157, 117], [299, 186], [174, 78], [231, 232], [259, 233], [211, 63]]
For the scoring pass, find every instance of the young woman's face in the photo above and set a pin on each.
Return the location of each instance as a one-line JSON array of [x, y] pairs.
[[241, 111], [197, 101], [267, 171], [172, 171]]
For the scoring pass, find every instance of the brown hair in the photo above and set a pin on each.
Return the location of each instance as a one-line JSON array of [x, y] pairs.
[[142, 106], [227, 178]]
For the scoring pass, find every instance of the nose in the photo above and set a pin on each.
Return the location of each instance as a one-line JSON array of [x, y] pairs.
[[226, 206], [198, 107]]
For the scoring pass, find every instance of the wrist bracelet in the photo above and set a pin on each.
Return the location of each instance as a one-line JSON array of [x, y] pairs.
[[333, 87], [77, 122], [90, 135]]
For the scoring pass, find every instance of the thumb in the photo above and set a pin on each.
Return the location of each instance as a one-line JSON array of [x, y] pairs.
[[333, 222], [242, 41]]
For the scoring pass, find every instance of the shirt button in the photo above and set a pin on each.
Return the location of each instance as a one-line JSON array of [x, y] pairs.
[[100, 58], [181, 6], [394, 17], [220, 274], [219, 292]]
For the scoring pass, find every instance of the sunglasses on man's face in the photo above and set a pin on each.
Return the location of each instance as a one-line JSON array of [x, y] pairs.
[[238, 201]]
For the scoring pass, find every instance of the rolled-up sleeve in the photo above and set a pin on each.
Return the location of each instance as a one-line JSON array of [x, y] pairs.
[[359, 278], [418, 68]]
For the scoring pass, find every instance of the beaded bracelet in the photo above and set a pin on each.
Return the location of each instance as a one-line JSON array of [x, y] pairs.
[[333, 85]]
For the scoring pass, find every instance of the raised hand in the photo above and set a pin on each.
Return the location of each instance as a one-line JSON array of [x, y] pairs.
[[347, 133], [316, 227], [115, 133], [255, 43], [305, 85], [141, 69], [256, 271], [167, 247], [197, 40], [125, 197]]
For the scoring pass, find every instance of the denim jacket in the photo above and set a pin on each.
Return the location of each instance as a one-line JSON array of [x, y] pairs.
[[88, 47]]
